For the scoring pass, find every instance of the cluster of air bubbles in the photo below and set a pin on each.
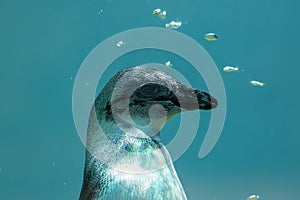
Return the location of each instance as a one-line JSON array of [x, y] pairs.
[[162, 14]]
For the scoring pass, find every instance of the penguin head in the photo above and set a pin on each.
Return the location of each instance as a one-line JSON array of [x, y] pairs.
[[146, 94]]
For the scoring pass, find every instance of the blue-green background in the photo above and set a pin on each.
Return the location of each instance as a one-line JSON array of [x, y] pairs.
[[43, 44]]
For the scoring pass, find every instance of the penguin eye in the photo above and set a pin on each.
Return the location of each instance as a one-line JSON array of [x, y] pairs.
[[148, 89]]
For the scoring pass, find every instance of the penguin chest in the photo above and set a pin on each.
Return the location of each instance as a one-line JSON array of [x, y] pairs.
[[156, 184]]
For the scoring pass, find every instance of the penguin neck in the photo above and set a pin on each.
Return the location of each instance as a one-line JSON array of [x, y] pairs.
[[129, 137], [123, 142]]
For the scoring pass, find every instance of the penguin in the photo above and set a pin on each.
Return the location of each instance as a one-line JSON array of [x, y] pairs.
[[125, 157]]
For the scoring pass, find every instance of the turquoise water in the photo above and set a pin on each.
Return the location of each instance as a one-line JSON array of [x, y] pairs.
[[43, 44]]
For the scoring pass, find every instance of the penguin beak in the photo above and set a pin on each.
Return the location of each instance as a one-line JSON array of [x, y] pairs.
[[205, 100], [193, 99]]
